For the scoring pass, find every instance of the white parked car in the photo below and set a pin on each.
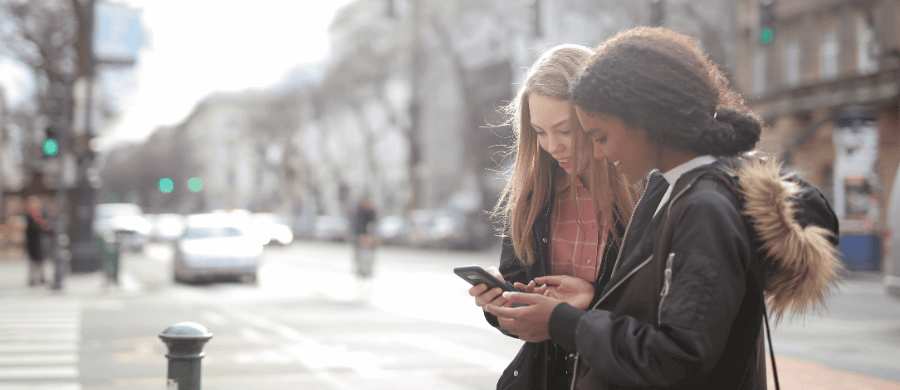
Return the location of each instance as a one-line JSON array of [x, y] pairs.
[[126, 219], [270, 230], [166, 227], [213, 247]]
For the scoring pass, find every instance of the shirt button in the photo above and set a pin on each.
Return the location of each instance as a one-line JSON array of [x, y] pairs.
[[545, 240], [588, 261], [516, 373]]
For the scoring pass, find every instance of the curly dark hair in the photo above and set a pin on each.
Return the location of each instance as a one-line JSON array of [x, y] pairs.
[[659, 80]]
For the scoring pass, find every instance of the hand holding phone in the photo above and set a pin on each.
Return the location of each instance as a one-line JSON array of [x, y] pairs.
[[476, 275]]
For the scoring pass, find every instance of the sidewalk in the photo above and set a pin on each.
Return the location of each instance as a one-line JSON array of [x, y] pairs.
[[793, 373], [14, 282], [801, 375]]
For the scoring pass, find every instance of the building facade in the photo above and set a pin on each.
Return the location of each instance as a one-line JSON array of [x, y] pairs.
[[825, 75]]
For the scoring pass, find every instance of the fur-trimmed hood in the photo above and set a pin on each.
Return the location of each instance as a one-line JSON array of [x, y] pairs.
[[798, 235]]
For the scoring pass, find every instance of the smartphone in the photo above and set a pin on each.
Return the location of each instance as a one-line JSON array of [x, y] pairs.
[[476, 275]]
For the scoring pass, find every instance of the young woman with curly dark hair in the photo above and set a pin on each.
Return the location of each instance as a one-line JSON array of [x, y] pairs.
[[716, 235]]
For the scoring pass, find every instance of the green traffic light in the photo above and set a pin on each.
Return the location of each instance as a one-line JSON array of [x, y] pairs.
[[51, 148], [166, 185], [195, 184], [766, 36]]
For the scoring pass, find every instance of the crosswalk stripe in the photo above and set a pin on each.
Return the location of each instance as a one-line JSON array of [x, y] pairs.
[[24, 348], [43, 318], [38, 337], [31, 326], [40, 386], [39, 344], [48, 372], [68, 358]]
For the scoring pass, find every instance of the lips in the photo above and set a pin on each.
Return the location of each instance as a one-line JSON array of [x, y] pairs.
[[564, 163]]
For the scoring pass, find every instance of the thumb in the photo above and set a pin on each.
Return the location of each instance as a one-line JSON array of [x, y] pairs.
[[550, 279], [519, 297]]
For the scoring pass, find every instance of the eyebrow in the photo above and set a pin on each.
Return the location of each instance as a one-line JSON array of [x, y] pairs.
[[558, 124]]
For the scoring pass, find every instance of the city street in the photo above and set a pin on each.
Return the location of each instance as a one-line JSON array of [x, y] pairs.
[[307, 323]]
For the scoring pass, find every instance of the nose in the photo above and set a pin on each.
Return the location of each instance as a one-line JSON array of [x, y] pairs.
[[598, 151], [557, 144]]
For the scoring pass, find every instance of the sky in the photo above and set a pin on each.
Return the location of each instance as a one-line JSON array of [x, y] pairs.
[[193, 48]]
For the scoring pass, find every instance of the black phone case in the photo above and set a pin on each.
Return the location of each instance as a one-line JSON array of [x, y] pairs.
[[476, 275]]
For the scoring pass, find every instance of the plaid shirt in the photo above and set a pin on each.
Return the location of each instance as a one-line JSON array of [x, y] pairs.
[[577, 242]]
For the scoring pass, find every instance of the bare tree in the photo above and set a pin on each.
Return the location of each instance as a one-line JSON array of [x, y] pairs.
[[43, 35]]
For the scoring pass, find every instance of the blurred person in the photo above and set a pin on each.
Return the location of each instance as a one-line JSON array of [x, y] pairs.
[[563, 212], [37, 227], [713, 238], [364, 238]]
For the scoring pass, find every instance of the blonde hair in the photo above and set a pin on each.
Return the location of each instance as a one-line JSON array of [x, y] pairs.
[[530, 182]]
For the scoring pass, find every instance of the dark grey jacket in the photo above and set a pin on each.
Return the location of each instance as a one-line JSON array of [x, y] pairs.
[[700, 326]]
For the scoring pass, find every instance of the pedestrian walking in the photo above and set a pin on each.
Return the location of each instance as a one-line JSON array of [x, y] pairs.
[[36, 230], [712, 240], [364, 239], [563, 213]]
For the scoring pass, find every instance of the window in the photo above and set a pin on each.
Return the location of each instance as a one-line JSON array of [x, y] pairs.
[[866, 61], [792, 63], [828, 55]]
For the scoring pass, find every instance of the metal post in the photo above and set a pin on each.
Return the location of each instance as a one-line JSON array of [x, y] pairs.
[[61, 242], [185, 342]]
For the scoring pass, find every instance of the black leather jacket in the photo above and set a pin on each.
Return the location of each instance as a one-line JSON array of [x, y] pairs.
[[705, 331]]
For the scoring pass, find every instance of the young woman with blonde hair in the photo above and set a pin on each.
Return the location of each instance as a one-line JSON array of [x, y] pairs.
[[562, 211]]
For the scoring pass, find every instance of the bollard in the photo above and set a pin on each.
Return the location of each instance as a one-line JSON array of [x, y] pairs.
[[185, 341]]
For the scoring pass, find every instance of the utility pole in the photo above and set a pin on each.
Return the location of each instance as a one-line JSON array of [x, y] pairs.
[[415, 154], [80, 229], [61, 242]]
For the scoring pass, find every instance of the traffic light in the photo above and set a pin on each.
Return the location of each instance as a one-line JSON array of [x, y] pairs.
[[766, 21], [166, 185], [195, 184], [50, 147]]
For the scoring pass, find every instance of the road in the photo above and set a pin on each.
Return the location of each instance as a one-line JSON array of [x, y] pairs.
[[308, 323]]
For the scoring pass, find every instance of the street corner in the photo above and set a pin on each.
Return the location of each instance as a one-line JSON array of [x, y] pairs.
[[797, 374]]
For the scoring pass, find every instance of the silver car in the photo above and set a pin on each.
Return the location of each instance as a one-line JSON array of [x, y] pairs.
[[125, 219], [211, 247]]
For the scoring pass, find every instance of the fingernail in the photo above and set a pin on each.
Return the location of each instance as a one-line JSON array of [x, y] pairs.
[[507, 294]]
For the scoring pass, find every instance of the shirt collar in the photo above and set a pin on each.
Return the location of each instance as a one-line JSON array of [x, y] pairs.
[[563, 183], [674, 174]]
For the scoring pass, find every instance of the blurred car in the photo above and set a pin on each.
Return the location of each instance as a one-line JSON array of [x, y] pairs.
[[448, 229], [392, 230], [212, 247], [269, 229], [331, 228], [166, 227], [127, 220]]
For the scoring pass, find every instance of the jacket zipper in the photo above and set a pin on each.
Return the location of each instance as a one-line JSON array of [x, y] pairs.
[[625, 237], [667, 275], [639, 267], [615, 266]]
